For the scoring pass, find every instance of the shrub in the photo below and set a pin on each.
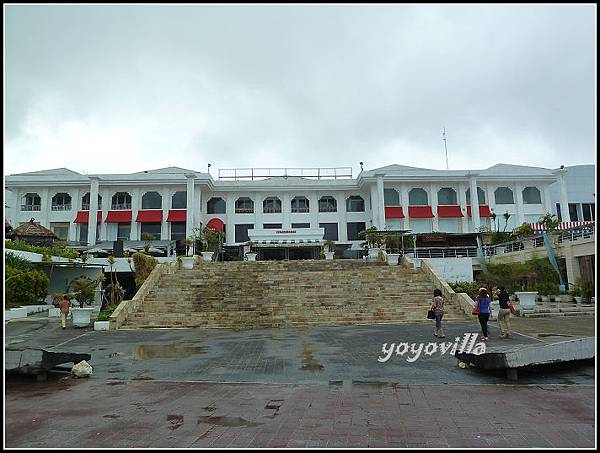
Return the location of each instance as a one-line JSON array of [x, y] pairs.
[[25, 287], [471, 288], [104, 315], [84, 287], [57, 249], [143, 267], [14, 261]]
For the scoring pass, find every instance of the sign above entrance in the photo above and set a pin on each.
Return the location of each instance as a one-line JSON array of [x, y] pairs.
[[304, 234], [285, 232]]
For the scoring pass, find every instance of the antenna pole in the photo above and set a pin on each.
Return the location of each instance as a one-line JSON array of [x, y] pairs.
[[445, 147]]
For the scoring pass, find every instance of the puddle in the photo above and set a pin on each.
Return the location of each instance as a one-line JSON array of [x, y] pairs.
[[227, 421], [309, 361], [167, 351]]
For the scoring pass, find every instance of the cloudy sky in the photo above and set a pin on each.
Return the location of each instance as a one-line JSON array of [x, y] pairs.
[[111, 89]]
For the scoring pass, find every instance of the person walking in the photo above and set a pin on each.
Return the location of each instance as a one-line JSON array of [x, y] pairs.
[[64, 311], [483, 303], [504, 313], [438, 310]]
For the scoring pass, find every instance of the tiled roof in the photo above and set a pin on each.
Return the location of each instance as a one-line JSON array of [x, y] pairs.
[[34, 229]]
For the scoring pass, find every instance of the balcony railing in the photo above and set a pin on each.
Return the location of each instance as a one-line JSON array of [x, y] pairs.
[[61, 207], [272, 210], [327, 209], [444, 252], [244, 210], [118, 206], [31, 207], [297, 210]]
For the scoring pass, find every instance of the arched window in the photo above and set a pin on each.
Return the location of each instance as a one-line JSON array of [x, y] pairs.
[[61, 202], [300, 204], [391, 197], [447, 196], [503, 195], [85, 202], [151, 200], [355, 203], [418, 197], [216, 205], [271, 205], [327, 204], [244, 205], [179, 200], [121, 200], [31, 202], [532, 195], [480, 195]]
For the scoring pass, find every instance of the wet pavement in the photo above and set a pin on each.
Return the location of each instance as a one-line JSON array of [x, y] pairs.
[[303, 387]]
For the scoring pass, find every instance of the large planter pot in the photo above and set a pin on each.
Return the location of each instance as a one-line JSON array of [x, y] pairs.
[[187, 262], [251, 256], [207, 256], [526, 298], [495, 307], [54, 313], [81, 316], [578, 299], [373, 253], [392, 259], [329, 255], [101, 325]]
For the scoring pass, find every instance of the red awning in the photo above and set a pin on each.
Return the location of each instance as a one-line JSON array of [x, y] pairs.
[[118, 217], [84, 217], [216, 224], [449, 211], [149, 216], [484, 210], [177, 215], [394, 212], [420, 212]]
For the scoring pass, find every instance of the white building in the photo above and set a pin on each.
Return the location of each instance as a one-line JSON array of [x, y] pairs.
[[580, 181], [279, 204]]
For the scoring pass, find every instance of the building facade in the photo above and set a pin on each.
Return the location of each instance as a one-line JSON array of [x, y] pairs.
[[267, 204], [580, 182]]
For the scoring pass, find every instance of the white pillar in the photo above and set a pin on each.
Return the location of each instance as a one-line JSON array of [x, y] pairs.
[[166, 204], [548, 208], [380, 203], [286, 209], [189, 218], [462, 201], [106, 201], [45, 208], [519, 201], [475, 204], [404, 202], [313, 201], [374, 205], [342, 216], [258, 210], [435, 223], [136, 204], [564, 198], [75, 203], [229, 217], [93, 213], [491, 201], [17, 194]]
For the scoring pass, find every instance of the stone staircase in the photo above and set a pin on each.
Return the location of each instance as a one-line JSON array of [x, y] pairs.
[[553, 309], [288, 293]]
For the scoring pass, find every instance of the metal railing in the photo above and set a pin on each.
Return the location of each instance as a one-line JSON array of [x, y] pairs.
[[262, 173], [61, 207], [120, 206], [583, 232], [444, 252], [31, 207]]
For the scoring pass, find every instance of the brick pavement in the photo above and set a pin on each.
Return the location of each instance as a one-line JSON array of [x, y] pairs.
[[68, 413]]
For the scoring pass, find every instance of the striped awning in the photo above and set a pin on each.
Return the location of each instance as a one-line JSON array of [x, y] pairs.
[[561, 226], [289, 243]]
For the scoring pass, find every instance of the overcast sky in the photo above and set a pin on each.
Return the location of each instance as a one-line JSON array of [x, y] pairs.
[[118, 89]]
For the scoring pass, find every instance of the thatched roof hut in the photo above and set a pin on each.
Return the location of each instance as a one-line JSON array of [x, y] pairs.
[[35, 234], [8, 230]]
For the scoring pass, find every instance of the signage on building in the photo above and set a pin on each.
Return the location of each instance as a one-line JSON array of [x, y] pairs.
[[433, 237], [285, 231]]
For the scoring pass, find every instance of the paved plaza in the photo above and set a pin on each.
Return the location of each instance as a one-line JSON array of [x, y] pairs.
[[304, 387]]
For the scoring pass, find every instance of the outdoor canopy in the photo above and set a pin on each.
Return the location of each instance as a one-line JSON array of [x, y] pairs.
[[394, 212], [216, 224], [149, 216], [449, 211], [118, 217], [484, 211], [420, 212], [177, 215], [84, 217]]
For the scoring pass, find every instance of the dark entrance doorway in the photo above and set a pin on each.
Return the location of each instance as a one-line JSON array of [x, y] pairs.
[[287, 253]]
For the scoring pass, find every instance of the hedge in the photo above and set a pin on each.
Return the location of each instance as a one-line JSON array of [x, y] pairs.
[[54, 250], [25, 287]]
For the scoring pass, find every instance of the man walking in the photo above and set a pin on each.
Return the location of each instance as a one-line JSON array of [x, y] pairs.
[[64, 311]]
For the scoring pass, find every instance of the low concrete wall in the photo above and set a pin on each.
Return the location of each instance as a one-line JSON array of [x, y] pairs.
[[128, 307]]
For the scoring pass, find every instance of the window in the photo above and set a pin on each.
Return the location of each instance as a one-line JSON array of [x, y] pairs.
[[151, 200], [272, 226], [447, 196], [32, 202], [271, 205], [179, 200], [573, 212], [177, 231], [300, 225], [588, 211], [61, 230], [151, 228], [300, 204], [532, 195], [83, 232], [123, 231], [558, 212], [355, 203], [121, 200], [85, 202], [353, 228], [241, 232], [391, 197], [216, 206], [480, 195], [61, 202], [331, 231], [327, 204], [244, 205], [418, 197], [504, 195]]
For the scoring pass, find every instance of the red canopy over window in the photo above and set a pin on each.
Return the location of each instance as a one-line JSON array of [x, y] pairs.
[[394, 212], [216, 224], [177, 215], [84, 216], [449, 211], [118, 217], [484, 210], [420, 212], [149, 216]]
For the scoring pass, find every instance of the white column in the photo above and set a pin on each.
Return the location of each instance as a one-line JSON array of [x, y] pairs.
[[491, 201], [75, 205], [136, 204], [374, 206], [45, 208], [106, 201], [313, 201], [166, 204], [519, 201], [462, 201], [404, 202], [475, 204], [435, 223], [342, 216], [258, 210], [380, 203], [564, 198], [189, 218], [93, 213], [286, 209], [17, 194], [230, 217]]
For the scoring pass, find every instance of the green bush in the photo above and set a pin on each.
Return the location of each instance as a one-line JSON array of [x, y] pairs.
[[84, 287], [471, 288], [57, 249], [104, 315], [144, 264], [532, 275], [25, 287], [14, 261]]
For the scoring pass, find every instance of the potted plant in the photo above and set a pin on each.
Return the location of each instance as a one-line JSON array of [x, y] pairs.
[[393, 242], [373, 240], [251, 255], [576, 293], [211, 239], [84, 291], [102, 322], [147, 237], [587, 292], [330, 246], [187, 261]]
